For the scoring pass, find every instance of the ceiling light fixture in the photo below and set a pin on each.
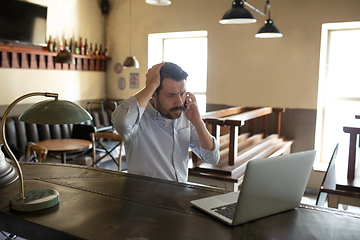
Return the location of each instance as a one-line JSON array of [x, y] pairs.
[[45, 112], [158, 2], [130, 61], [269, 30], [238, 14]]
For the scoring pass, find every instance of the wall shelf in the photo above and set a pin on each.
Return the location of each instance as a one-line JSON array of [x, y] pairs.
[[33, 57]]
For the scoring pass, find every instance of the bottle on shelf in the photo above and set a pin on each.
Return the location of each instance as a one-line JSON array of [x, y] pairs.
[[91, 52], [86, 47], [50, 45], [55, 47], [96, 51], [100, 50], [81, 47], [61, 45], [72, 48], [105, 51], [76, 47], [66, 47]]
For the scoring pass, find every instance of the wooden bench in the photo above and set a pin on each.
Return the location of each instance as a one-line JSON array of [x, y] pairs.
[[238, 147]]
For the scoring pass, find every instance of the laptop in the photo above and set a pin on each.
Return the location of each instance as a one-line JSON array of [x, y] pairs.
[[270, 186]]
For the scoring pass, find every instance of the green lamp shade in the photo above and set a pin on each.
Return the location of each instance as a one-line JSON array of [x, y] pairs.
[[237, 14], [55, 112], [269, 31]]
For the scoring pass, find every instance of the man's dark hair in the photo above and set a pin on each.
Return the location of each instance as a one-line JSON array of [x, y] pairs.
[[172, 71]]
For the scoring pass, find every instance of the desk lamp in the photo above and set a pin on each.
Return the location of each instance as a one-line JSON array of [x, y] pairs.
[[45, 112]]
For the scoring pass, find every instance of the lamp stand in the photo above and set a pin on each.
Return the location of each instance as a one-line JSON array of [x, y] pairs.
[[35, 199]]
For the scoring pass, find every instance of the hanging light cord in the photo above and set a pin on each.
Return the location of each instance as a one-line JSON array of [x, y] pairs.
[[130, 26], [267, 7]]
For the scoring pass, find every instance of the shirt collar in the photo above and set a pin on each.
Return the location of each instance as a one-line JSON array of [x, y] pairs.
[[155, 113]]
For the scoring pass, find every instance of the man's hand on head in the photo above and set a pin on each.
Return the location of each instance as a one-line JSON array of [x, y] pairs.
[[152, 83], [153, 76]]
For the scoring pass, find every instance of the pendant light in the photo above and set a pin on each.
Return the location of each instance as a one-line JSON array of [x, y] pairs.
[[238, 14], [269, 30], [130, 61], [158, 2], [64, 56]]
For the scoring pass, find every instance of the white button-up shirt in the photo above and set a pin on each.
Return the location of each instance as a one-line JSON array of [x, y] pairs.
[[158, 147]]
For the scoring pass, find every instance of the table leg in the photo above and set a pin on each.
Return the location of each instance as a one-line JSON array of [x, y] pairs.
[[354, 131], [352, 154], [63, 157]]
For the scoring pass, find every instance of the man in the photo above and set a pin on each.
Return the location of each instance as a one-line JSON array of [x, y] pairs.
[[160, 123]]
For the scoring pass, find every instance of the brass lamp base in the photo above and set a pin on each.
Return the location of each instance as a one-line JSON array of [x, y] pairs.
[[34, 200]]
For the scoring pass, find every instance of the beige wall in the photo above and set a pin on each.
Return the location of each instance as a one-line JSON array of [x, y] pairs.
[[82, 18], [256, 72]]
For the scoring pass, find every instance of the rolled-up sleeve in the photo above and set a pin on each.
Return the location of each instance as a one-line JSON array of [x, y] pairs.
[[126, 118], [208, 156]]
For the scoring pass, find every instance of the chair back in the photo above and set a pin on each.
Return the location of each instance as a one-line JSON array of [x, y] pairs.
[[82, 131], [97, 145], [36, 152], [329, 180]]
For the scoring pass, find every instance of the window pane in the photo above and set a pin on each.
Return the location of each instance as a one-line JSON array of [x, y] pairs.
[[337, 115], [342, 94], [191, 55], [201, 102], [343, 77]]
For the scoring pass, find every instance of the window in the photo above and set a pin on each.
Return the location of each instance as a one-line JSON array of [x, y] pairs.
[[339, 87], [189, 51]]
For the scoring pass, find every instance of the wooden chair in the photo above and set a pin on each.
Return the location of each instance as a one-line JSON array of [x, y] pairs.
[[35, 153], [247, 138], [98, 145], [334, 192], [328, 184]]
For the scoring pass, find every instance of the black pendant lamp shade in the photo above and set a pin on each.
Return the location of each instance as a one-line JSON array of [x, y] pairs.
[[64, 56], [237, 14], [269, 31]]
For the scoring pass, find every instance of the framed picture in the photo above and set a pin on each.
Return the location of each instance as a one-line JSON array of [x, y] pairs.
[[134, 80], [118, 68], [121, 83]]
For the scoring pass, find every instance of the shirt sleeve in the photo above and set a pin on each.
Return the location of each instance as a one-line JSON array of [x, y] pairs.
[[126, 118], [208, 156]]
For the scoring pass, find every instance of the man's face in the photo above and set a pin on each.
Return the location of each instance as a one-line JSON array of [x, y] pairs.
[[170, 99]]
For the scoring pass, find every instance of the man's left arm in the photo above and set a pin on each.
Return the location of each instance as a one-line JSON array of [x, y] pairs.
[[207, 142]]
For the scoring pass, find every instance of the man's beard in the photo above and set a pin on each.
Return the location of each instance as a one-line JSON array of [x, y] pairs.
[[173, 113]]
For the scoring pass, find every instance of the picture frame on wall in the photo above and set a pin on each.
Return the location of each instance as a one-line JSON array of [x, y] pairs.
[[134, 80]]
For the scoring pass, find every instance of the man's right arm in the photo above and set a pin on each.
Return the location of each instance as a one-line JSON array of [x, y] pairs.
[[129, 112], [126, 116]]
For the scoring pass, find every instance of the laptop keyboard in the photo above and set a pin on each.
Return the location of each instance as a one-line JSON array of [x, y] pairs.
[[226, 210]]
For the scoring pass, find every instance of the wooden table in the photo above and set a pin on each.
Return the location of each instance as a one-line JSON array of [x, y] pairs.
[[64, 146], [102, 204]]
